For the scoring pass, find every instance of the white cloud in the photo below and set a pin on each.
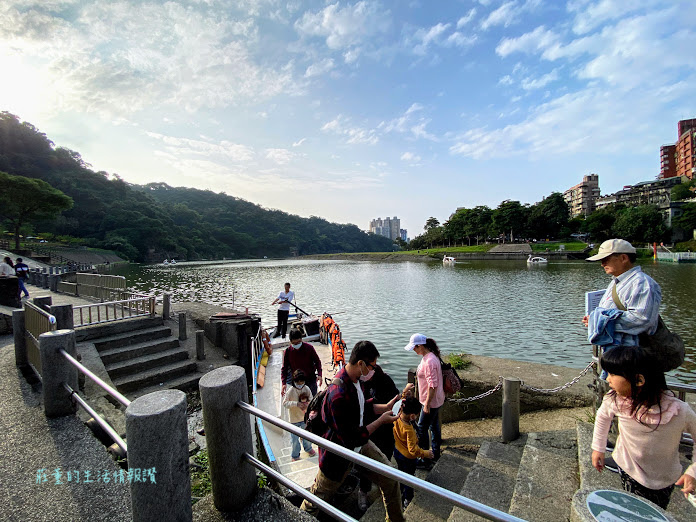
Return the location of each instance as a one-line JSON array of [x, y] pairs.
[[410, 157], [344, 27], [508, 13], [506, 80], [280, 156], [537, 40], [530, 83], [352, 135], [589, 16], [299, 142], [322, 67], [408, 123], [466, 18], [186, 146], [425, 37]]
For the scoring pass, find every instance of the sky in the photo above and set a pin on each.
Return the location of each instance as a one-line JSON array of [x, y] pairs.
[[356, 110]]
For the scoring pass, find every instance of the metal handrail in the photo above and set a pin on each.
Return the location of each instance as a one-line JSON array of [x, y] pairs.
[[131, 305], [321, 504], [465, 503], [115, 394], [104, 425]]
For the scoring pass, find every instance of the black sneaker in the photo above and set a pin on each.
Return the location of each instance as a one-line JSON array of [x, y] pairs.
[[611, 465], [424, 463]]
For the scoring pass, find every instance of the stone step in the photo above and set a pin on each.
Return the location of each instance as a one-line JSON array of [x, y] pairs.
[[132, 337], [185, 383], [450, 472], [154, 376], [491, 480], [591, 479], [145, 362], [125, 353], [99, 331], [547, 477]]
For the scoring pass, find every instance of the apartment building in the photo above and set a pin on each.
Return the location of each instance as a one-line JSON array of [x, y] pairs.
[[581, 198], [680, 159], [387, 227], [656, 192]]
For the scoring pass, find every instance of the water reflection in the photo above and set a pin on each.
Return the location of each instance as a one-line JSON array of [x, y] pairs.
[[501, 309]]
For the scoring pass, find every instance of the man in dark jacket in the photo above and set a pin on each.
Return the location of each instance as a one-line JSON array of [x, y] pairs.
[[343, 411], [300, 356]]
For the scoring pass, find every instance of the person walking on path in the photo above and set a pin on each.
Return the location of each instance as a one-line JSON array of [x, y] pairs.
[[296, 400], [6, 268], [284, 298], [431, 393], [343, 411], [22, 271], [406, 449], [380, 388], [651, 423], [300, 356]]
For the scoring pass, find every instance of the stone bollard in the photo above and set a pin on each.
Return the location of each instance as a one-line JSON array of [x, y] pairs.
[[44, 280], [511, 409], [182, 326], [20, 341], [63, 315], [166, 306], [157, 439], [43, 302], [200, 345], [56, 370], [53, 282], [228, 435]]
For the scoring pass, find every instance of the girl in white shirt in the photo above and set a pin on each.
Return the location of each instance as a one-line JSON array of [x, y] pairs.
[[651, 422]]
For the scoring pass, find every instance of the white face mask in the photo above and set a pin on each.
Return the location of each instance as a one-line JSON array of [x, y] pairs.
[[296, 346], [300, 386]]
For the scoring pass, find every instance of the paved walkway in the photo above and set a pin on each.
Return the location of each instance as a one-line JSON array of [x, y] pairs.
[[31, 442]]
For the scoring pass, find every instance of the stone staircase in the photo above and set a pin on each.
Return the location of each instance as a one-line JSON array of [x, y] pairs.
[[145, 358], [533, 478]]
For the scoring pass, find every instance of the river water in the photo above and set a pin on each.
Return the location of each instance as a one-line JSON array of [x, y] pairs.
[[494, 308]]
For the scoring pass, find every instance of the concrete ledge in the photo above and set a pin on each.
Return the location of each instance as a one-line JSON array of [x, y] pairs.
[[484, 373]]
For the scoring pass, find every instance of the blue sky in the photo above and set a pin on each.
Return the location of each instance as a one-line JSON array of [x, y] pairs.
[[356, 110]]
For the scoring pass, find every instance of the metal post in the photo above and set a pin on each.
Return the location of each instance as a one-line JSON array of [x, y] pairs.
[[182, 326], [228, 435], [511, 409], [158, 449], [200, 345], [20, 341], [166, 305], [56, 370]]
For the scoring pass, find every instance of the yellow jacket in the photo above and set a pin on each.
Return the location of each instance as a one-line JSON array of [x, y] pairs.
[[406, 440]]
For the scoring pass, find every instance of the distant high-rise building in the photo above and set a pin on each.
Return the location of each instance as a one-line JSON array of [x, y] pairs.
[[387, 227], [680, 159], [404, 234], [582, 197]]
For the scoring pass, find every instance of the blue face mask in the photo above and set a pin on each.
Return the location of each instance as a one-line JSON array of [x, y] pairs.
[[296, 346]]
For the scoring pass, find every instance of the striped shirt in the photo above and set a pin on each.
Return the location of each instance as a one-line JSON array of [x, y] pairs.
[[641, 296]]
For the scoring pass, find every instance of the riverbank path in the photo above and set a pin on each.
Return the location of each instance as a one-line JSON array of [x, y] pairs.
[[51, 469]]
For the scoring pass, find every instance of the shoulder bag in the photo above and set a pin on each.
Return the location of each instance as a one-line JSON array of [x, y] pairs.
[[666, 347]]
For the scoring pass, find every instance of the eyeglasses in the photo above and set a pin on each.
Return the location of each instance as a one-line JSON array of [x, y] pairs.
[[370, 366]]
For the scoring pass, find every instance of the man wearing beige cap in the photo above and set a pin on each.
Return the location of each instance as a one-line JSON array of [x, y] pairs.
[[630, 290]]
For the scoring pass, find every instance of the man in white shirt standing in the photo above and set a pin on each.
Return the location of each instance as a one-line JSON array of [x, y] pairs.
[[284, 298]]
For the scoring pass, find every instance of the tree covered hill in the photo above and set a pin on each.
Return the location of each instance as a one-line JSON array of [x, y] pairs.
[[156, 221]]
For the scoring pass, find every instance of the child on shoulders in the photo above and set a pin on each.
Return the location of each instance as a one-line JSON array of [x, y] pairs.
[[406, 449], [651, 422], [296, 400]]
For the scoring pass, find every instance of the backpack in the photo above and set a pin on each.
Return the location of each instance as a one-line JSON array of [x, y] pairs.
[[451, 381], [314, 423]]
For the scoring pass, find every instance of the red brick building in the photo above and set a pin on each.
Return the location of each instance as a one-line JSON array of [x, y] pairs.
[[680, 159]]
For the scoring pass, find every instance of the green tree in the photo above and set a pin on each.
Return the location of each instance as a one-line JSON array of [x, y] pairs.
[[549, 217], [431, 223], [509, 217], [640, 224], [683, 190], [687, 220], [24, 200], [599, 224]]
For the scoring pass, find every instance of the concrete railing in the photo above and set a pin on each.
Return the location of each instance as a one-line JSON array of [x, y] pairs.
[[108, 312], [28, 326], [156, 428]]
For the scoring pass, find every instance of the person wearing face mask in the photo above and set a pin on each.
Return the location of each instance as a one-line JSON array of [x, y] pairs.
[[406, 449], [300, 356], [343, 410], [296, 400]]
